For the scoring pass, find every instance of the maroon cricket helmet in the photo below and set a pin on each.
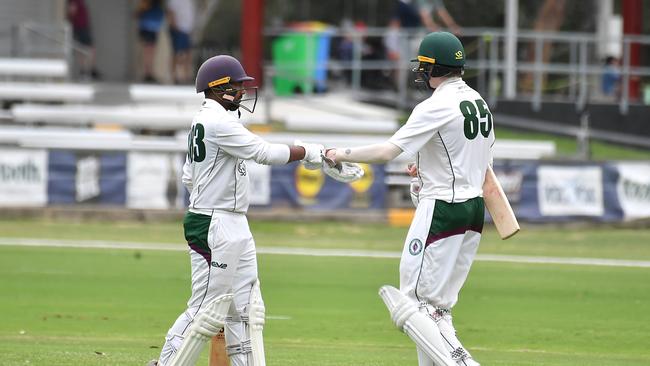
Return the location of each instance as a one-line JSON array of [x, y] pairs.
[[220, 70]]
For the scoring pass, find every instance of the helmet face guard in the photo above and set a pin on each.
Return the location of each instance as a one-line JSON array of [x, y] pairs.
[[232, 97], [425, 71], [228, 95]]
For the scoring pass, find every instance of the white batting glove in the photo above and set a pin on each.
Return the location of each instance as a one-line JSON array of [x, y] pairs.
[[313, 155], [343, 172], [415, 188]]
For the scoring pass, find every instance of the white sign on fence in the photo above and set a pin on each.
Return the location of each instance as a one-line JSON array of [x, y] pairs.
[[23, 177], [570, 191], [633, 189], [148, 180]]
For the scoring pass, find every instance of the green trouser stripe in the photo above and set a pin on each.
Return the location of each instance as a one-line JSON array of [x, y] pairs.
[[456, 218], [196, 228]]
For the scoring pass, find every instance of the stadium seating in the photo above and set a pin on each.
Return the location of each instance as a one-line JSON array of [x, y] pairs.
[[31, 68], [46, 92]]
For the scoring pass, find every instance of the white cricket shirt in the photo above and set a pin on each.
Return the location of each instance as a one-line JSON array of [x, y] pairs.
[[450, 134], [215, 166]]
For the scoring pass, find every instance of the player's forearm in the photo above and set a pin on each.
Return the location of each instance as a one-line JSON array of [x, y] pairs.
[[296, 153], [376, 153]]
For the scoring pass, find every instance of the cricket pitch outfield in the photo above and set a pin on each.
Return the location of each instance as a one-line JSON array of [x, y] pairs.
[[112, 306]]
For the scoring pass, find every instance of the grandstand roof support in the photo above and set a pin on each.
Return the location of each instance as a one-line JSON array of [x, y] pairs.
[[252, 19]]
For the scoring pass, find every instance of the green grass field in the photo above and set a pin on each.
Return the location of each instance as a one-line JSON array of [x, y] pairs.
[[67, 306]]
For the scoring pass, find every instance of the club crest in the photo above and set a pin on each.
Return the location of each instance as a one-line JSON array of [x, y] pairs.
[[242, 168], [415, 247]]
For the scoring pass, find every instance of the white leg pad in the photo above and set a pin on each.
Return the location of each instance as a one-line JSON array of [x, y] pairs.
[[256, 316], [206, 324], [418, 326], [448, 332]]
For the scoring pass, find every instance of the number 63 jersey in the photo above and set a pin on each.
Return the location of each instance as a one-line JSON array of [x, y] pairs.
[[451, 135]]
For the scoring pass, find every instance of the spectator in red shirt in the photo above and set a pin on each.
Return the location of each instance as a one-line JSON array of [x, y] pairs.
[[77, 13]]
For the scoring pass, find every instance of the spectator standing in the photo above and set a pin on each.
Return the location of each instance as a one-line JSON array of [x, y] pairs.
[[77, 14], [427, 9], [412, 15], [150, 15], [181, 15], [611, 78]]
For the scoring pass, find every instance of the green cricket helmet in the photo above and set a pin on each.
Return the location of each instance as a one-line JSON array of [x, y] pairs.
[[440, 54]]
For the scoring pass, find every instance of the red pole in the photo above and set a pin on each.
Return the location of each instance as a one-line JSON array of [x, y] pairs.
[[633, 24], [252, 19]]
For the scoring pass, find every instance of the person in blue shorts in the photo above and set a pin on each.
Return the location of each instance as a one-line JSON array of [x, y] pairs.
[[181, 15], [150, 16]]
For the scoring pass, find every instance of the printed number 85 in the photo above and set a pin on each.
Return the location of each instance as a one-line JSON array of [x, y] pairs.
[[472, 113]]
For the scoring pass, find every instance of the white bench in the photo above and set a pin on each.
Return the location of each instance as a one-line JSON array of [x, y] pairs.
[[80, 139], [46, 92], [32, 67], [153, 117]]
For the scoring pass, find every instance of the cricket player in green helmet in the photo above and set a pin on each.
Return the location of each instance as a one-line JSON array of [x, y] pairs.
[[450, 135]]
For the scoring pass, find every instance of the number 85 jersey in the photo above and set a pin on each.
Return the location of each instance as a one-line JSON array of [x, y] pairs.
[[451, 135]]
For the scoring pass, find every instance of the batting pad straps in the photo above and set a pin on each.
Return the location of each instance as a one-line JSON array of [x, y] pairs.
[[235, 349], [205, 325]]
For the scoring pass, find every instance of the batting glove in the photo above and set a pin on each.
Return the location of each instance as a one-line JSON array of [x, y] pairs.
[[313, 155]]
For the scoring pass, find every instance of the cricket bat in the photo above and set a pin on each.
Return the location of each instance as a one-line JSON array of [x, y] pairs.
[[497, 204], [218, 356]]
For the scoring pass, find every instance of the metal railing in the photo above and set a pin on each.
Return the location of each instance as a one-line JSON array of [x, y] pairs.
[[571, 72]]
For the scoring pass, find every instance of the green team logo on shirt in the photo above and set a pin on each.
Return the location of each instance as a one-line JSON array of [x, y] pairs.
[[477, 118], [195, 144]]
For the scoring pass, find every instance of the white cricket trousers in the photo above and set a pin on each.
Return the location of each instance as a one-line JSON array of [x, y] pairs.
[[223, 260], [439, 250]]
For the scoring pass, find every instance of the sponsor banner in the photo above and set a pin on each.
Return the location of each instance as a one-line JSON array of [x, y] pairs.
[[570, 191], [23, 177], [511, 176], [86, 178], [518, 181], [150, 180], [633, 189], [294, 185]]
